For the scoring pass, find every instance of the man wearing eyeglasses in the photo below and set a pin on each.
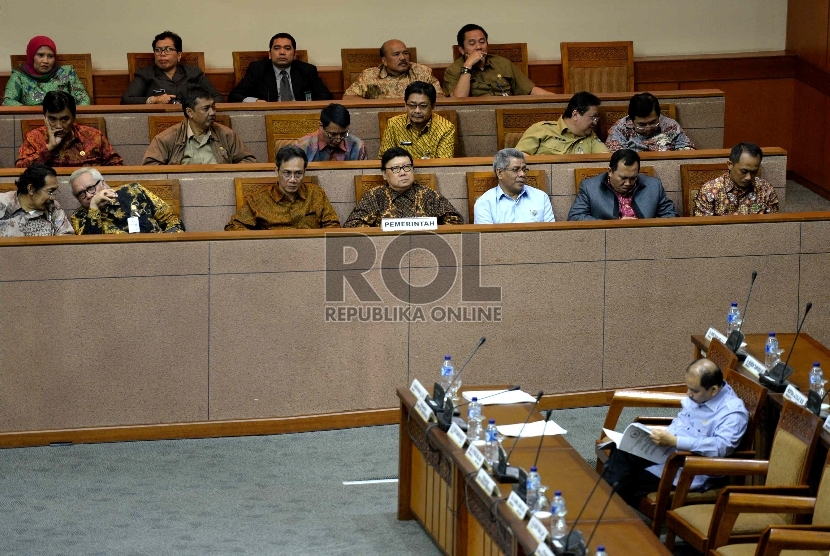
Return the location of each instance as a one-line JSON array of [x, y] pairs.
[[573, 133], [332, 140], [421, 132], [289, 203], [167, 79], [512, 200], [646, 129], [128, 209]]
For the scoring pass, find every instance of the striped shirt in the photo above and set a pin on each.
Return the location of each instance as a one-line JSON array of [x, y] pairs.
[[436, 140]]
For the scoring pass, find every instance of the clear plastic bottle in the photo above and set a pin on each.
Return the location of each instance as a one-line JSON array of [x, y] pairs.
[[558, 510], [817, 379], [447, 372], [491, 448], [771, 351], [601, 551], [474, 420], [733, 318], [533, 483]]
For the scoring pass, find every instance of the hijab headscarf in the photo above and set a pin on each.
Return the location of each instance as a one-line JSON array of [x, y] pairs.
[[32, 48]]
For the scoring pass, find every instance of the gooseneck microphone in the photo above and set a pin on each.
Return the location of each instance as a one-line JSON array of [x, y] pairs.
[[776, 378], [521, 487], [445, 417], [502, 472], [736, 337], [438, 391], [573, 544]]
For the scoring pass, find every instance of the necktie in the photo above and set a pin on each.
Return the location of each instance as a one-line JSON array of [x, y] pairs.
[[285, 89]]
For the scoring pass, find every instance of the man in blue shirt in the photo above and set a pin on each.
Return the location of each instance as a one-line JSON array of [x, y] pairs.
[[512, 200], [712, 422]]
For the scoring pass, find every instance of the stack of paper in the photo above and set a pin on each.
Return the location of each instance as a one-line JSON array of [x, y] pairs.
[[537, 428]]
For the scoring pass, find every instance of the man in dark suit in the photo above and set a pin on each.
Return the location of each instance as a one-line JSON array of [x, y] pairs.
[[621, 193], [280, 77]]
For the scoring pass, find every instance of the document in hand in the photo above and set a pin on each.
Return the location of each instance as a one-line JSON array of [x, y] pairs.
[[635, 440]]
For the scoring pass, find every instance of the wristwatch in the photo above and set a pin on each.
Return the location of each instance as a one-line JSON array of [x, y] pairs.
[[465, 69]]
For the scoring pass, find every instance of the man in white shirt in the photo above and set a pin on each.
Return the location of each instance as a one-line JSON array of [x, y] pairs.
[[512, 200]]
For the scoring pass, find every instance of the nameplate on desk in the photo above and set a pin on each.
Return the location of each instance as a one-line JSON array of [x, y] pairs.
[[474, 455], [792, 394], [515, 503], [416, 223], [537, 529], [713, 333], [418, 389], [543, 550], [424, 410], [486, 482], [754, 366], [458, 436]]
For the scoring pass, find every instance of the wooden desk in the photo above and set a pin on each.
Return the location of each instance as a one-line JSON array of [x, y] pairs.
[[437, 487]]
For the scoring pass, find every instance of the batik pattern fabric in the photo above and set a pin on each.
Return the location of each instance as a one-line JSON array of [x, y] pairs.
[[132, 200], [23, 90], [83, 146], [17, 222], [377, 83], [383, 202], [670, 137], [720, 197], [269, 209]]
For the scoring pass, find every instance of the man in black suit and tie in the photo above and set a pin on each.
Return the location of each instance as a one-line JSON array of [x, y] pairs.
[[280, 77]]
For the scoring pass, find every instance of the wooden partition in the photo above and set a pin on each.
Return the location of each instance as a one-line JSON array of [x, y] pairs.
[[214, 328], [700, 112]]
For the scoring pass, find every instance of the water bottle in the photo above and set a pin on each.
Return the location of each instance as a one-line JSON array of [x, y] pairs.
[[733, 318], [817, 379], [772, 355], [447, 372], [558, 527], [474, 420], [601, 551], [533, 483], [491, 448]]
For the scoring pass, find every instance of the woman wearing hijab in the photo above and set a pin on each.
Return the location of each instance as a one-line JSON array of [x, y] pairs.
[[28, 85]]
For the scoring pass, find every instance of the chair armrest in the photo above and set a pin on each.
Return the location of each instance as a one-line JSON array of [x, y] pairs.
[[638, 398], [673, 464], [732, 504], [697, 465], [806, 537]]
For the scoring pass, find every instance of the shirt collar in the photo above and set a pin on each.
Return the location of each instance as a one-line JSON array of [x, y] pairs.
[[426, 126], [383, 74], [501, 193], [190, 133], [715, 403], [732, 186], [278, 70], [278, 195], [322, 145]]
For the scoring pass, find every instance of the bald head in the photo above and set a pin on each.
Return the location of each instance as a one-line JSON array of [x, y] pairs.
[[703, 380], [395, 57]]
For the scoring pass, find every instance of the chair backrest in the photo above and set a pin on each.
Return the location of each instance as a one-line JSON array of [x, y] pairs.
[[157, 124], [480, 182], [168, 191], [137, 60], [793, 446], [584, 173], [821, 515], [609, 115], [98, 122], [355, 60], [242, 58], [516, 52], [598, 67], [246, 186], [511, 123], [451, 115], [721, 355], [81, 62], [692, 178], [365, 182], [754, 396], [284, 129]]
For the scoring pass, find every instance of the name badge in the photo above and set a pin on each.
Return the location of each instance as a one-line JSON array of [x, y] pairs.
[[792, 394], [754, 366], [515, 503], [543, 550], [418, 389], [475, 456], [423, 409], [415, 223], [457, 435], [713, 333], [308, 95], [132, 225], [537, 529], [485, 481]]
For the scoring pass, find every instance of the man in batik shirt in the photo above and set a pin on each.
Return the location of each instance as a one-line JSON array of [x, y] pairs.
[[739, 190], [390, 79], [332, 140], [62, 142], [646, 129], [401, 196], [128, 209]]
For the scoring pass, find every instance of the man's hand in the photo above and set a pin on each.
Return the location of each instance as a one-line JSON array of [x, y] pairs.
[[162, 99], [103, 197], [662, 437], [52, 141], [474, 59]]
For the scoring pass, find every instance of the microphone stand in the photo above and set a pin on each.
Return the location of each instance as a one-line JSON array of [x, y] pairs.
[[502, 472], [736, 337], [438, 392], [776, 378]]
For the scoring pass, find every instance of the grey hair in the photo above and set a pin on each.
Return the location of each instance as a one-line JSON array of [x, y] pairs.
[[502, 158], [96, 175]]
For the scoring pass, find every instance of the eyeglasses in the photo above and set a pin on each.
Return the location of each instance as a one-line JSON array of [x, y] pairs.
[[287, 174], [517, 169], [88, 191], [646, 127], [413, 106], [406, 168], [594, 119], [164, 50], [339, 135]]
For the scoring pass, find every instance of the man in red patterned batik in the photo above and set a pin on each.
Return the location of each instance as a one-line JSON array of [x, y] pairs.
[[62, 142]]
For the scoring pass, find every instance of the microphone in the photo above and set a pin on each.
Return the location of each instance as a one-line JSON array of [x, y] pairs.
[[736, 337], [438, 391], [521, 487], [446, 415], [513, 474], [573, 544], [776, 377], [602, 513]]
